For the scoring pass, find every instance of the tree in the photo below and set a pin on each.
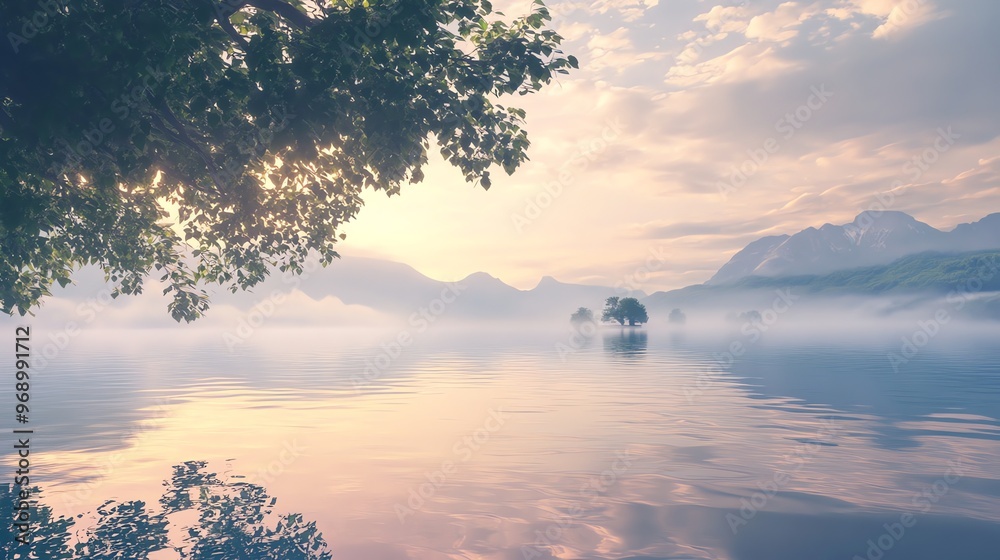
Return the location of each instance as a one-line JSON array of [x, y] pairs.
[[215, 142], [612, 310], [209, 516], [624, 309], [633, 311], [677, 316], [752, 316], [582, 315]]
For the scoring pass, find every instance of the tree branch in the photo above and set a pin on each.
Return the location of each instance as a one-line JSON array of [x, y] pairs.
[[227, 26], [172, 172], [184, 140], [287, 11]]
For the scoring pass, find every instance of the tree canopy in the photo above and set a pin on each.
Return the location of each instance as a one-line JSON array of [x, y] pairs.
[[582, 315], [624, 309], [199, 514], [215, 141], [677, 316]]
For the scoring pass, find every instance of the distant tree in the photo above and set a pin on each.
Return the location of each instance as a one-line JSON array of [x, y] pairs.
[[752, 316], [633, 311], [677, 316], [624, 309], [582, 315], [612, 310]]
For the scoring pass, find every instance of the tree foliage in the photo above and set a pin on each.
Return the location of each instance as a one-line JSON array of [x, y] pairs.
[[582, 315], [624, 309], [677, 316], [612, 310], [199, 517], [213, 142]]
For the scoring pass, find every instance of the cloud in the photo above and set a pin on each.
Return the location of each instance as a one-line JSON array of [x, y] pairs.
[[746, 62], [624, 10], [725, 19], [718, 228], [628, 10], [725, 79], [781, 24], [897, 16], [615, 50]]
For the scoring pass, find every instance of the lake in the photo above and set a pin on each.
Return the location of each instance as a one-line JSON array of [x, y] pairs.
[[516, 444]]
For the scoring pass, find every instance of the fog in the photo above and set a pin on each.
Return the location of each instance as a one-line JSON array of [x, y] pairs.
[[403, 304]]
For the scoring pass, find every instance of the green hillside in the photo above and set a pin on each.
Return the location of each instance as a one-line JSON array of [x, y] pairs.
[[922, 272], [925, 272]]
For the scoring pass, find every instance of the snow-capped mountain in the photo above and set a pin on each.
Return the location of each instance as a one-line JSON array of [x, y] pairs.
[[871, 239]]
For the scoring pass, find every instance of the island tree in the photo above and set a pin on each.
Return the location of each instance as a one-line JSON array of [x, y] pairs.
[[624, 309], [582, 315], [677, 316], [215, 141]]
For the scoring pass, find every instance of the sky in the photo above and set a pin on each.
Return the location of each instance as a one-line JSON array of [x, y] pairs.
[[695, 127]]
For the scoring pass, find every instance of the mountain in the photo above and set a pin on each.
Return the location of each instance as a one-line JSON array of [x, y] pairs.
[[348, 287], [746, 261], [871, 239], [984, 234], [399, 289], [964, 275], [925, 272], [551, 293]]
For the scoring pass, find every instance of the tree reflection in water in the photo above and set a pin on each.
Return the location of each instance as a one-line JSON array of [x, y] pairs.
[[627, 342], [235, 520]]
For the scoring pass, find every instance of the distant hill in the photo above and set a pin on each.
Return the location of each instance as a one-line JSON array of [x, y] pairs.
[[934, 273], [925, 272], [388, 288], [397, 288], [871, 239], [356, 286]]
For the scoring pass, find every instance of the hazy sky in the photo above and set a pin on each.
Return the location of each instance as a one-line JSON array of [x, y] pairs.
[[833, 99]]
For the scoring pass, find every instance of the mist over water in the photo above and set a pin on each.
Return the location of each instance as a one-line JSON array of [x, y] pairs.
[[658, 442]]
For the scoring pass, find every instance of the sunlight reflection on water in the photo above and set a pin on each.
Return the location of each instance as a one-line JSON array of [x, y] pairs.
[[487, 444]]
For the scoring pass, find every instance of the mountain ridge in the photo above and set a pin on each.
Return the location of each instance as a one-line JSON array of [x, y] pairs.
[[959, 275], [871, 239]]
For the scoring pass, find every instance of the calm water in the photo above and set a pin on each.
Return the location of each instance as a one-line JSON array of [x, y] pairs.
[[484, 444]]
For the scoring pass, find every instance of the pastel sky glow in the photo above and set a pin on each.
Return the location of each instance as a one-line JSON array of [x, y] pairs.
[[823, 105]]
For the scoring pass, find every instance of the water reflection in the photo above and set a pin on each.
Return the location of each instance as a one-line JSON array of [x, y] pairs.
[[648, 444], [221, 520], [626, 342]]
